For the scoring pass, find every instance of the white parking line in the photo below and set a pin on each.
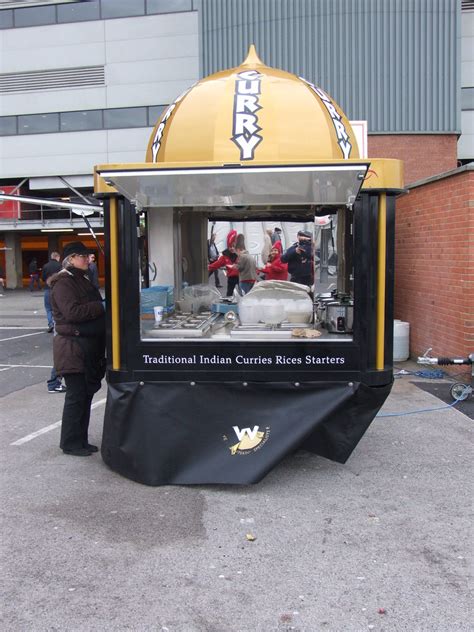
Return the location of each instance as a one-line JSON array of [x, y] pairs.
[[23, 336], [19, 327], [41, 431], [27, 366]]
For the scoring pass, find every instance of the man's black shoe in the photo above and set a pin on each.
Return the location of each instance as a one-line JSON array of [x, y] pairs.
[[50, 329], [78, 452], [92, 448]]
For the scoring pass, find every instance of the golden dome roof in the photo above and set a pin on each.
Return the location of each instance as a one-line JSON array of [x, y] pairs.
[[252, 113]]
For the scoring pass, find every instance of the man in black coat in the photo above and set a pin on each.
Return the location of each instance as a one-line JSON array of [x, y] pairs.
[[300, 259], [78, 346]]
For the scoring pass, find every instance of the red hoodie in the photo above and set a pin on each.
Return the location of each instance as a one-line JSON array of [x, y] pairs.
[[227, 258], [275, 270]]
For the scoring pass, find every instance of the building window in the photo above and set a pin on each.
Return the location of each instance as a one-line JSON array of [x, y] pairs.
[[79, 121], [168, 6], [122, 8], [35, 16], [467, 98], [38, 123], [125, 117], [154, 113], [8, 125], [79, 11], [6, 19]]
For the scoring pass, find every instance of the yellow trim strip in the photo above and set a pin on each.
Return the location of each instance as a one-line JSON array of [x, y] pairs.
[[114, 287], [381, 266]]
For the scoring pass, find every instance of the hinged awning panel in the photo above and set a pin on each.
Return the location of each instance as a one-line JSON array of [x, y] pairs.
[[327, 184]]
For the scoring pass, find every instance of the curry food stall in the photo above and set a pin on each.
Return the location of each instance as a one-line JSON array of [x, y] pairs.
[[205, 388]]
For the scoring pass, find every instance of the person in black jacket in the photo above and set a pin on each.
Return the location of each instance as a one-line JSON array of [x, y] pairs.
[[52, 267], [93, 271], [78, 346], [300, 259]]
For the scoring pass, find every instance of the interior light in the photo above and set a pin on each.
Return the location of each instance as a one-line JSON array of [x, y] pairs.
[[57, 230]]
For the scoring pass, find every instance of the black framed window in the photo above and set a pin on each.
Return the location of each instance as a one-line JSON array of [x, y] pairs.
[[38, 123], [79, 121], [467, 98], [125, 117], [122, 8], [79, 11], [35, 16], [6, 19], [168, 6], [8, 125], [154, 113]]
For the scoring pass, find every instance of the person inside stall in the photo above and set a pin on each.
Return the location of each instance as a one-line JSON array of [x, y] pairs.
[[246, 266], [276, 235], [300, 259], [212, 256], [227, 260], [78, 346], [267, 245], [275, 269]]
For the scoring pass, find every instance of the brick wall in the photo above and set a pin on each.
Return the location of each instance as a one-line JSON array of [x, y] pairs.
[[434, 265], [424, 155]]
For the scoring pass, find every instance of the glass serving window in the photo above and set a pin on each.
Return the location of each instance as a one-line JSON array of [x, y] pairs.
[[281, 276]]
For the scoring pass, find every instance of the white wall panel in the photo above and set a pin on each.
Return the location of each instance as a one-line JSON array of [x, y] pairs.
[[130, 73], [53, 101], [55, 165], [53, 144], [151, 26], [126, 156], [52, 154], [467, 48], [158, 93], [153, 48], [53, 36], [466, 140], [467, 24], [129, 140], [467, 73], [48, 57], [74, 153]]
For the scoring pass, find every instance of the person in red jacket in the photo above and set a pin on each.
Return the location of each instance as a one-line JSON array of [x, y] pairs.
[[275, 270], [226, 260]]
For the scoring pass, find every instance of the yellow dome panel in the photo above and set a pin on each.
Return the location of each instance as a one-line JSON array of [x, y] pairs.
[[252, 113]]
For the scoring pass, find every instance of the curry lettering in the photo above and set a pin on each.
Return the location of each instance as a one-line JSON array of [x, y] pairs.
[[155, 148], [341, 133], [245, 132]]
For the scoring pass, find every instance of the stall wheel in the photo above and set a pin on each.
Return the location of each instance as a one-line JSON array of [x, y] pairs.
[[460, 391]]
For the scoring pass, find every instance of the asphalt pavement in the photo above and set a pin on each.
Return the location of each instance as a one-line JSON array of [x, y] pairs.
[[381, 543]]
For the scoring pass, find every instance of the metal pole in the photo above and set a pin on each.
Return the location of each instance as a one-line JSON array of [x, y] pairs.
[[43, 202], [92, 233]]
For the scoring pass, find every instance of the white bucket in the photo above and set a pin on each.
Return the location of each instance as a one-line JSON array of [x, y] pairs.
[[401, 341]]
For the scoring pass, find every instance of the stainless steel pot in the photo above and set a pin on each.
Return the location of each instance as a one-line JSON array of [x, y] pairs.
[[321, 308], [339, 317]]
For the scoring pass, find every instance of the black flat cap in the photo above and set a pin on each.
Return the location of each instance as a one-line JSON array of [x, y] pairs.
[[75, 248]]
